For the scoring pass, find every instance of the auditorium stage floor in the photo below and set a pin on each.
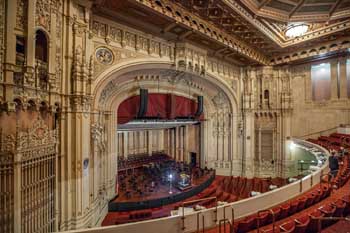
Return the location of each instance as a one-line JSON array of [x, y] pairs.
[[160, 192]]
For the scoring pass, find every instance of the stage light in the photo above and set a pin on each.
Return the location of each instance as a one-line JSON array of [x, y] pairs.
[[170, 176]]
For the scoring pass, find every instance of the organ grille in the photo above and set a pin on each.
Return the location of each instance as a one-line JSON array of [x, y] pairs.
[[6, 189], [28, 180]]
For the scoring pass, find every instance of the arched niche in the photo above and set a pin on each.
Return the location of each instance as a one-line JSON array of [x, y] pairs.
[[41, 46]]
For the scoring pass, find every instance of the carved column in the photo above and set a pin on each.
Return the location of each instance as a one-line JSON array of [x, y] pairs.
[[334, 80], [150, 142], [308, 84], [343, 79], [186, 141], [10, 55], [125, 144]]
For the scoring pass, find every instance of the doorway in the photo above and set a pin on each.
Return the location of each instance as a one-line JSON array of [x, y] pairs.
[[193, 159]]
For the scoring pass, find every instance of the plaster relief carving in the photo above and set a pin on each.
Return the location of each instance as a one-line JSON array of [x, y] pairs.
[[220, 100], [21, 14], [43, 14], [104, 56]]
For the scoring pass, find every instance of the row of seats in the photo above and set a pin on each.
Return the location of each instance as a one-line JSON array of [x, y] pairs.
[[294, 206], [232, 188], [309, 222], [332, 142], [242, 186]]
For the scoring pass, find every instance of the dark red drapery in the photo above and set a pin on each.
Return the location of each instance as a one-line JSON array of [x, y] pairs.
[[166, 106]]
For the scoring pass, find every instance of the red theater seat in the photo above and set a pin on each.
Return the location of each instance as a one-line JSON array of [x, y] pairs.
[[284, 210], [262, 218], [293, 207], [277, 213], [246, 225], [270, 230], [310, 199], [287, 227], [301, 224], [346, 199], [340, 206], [328, 211], [302, 203], [313, 225]]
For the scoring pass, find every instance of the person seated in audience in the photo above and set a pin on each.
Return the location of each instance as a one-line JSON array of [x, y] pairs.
[[333, 164]]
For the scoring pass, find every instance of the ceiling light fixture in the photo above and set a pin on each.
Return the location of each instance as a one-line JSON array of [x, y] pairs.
[[296, 30]]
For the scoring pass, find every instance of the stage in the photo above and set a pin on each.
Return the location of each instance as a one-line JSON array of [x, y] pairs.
[[158, 195]]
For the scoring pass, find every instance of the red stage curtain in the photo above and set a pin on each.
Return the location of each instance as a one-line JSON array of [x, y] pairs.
[[166, 106]]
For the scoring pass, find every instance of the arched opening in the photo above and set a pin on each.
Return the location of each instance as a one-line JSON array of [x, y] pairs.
[[41, 57], [118, 86], [41, 46], [267, 97]]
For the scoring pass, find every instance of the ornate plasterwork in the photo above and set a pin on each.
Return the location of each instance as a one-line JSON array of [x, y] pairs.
[[104, 56], [215, 33], [43, 14], [21, 14], [321, 49], [38, 135], [112, 85], [2, 37], [97, 132], [130, 40], [220, 100]]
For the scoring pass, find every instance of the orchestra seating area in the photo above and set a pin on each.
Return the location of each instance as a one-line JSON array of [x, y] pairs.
[[329, 199]]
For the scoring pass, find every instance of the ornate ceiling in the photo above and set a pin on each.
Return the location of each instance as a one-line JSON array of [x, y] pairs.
[[244, 31]]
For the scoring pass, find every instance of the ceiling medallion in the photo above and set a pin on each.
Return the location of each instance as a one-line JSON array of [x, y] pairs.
[[295, 30], [104, 55]]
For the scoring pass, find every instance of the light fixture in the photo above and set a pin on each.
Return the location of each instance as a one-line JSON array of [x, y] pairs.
[[296, 30], [292, 145]]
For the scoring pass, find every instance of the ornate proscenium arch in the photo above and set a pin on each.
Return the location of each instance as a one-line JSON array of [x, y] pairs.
[[119, 82]]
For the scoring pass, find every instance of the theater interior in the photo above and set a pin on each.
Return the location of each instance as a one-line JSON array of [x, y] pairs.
[[174, 116]]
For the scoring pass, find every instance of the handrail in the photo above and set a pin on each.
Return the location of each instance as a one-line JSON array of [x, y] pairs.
[[194, 201], [273, 219], [198, 222], [320, 219], [227, 220]]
